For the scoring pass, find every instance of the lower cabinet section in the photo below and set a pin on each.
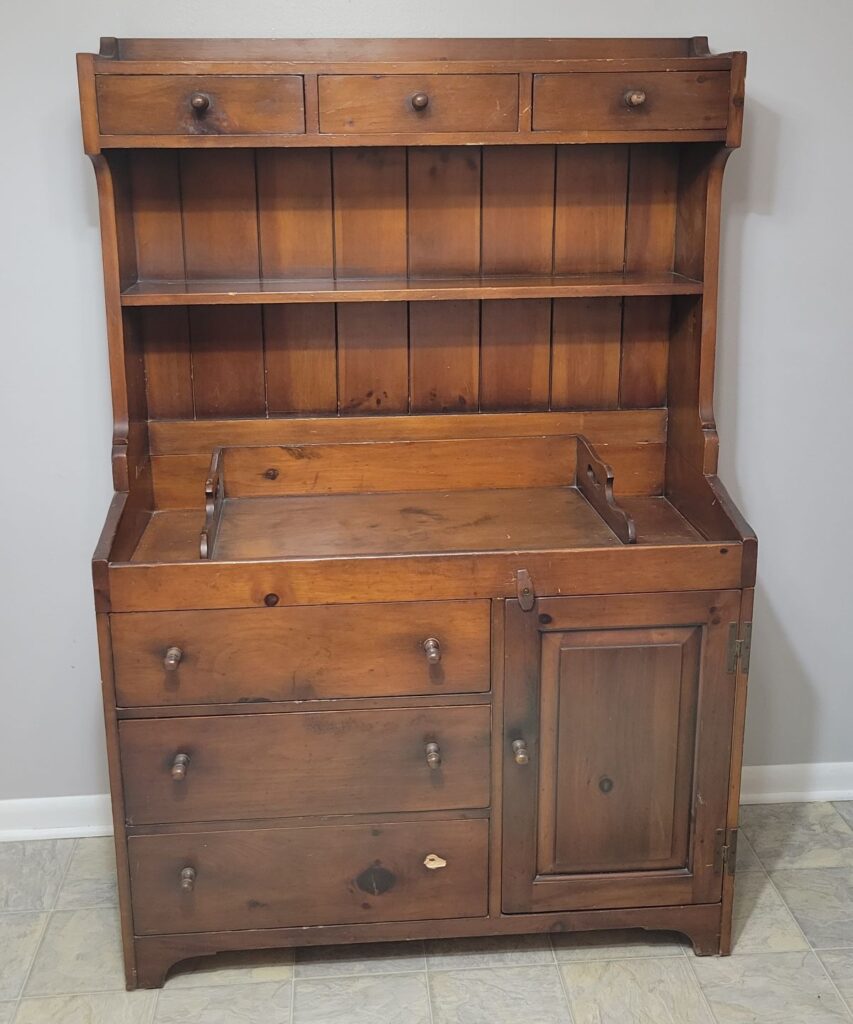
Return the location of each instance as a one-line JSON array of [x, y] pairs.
[[279, 877], [618, 720]]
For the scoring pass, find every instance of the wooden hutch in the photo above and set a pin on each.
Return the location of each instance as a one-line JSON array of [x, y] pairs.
[[422, 610]]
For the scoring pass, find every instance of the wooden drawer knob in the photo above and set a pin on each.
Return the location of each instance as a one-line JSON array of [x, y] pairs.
[[634, 98], [200, 102], [432, 649], [188, 879], [179, 767], [172, 658], [420, 101], [433, 755], [519, 752]]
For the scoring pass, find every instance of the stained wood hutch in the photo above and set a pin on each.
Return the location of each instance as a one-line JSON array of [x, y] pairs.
[[422, 610]]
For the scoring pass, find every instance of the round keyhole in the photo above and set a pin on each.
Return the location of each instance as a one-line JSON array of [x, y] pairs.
[[605, 784]]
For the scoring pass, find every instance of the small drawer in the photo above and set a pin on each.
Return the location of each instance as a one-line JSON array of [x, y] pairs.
[[621, 101], [374, 104], [200, 105], [278, 878], [301, 653], [235, 767]]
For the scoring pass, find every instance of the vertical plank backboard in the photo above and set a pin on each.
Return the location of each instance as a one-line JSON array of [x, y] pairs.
[[295, 212], [373, 358], [300, 357], [586, 347], [220, 213], [590, 202], [444, 339], [645, 352], [156, 205], [518, 209], [444, 210], [228, 360], [165, 336], [515, 354], [370, 211], [652, 206]]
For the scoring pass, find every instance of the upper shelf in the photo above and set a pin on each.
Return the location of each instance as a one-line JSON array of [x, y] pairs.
[[390, 289]]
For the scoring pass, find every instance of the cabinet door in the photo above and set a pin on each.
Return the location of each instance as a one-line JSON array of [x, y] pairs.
[[617, 737]]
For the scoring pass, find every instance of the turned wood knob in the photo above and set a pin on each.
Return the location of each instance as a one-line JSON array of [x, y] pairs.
[[433, 755], [519, 752], [188, 879], [172, 658], [179, 767], [634, 98], [432, 649], [200, 102], [420, 101]]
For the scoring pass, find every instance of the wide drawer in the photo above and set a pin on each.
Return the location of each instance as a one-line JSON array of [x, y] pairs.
[[617, 101], [305, 763], [276, 878], [271, 654], [364, 104], [200, 104]]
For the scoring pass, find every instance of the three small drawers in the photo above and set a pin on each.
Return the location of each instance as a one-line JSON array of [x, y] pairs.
[[183, 773], [363, 104]]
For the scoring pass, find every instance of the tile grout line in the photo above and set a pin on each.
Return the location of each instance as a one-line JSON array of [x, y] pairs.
[[705, 1001], [562, 980], [47, 918]]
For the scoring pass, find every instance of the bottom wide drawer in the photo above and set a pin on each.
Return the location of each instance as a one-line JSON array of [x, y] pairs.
[[294, 877]]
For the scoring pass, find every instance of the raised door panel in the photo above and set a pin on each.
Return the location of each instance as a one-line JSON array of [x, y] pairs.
[[617, 731], [623, 709]]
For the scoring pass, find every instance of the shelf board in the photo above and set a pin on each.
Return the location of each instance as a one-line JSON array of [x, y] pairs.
[[399, 289]]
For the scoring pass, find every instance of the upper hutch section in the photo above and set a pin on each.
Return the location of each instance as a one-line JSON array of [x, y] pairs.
[[341, 92]]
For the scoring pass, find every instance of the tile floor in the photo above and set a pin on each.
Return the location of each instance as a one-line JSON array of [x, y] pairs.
[[793, 961]]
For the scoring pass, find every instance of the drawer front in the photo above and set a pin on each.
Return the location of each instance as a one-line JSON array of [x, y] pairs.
[[305, 763], [611, 101], [200, 105], [278, 878], [371, 104], [271, 654]]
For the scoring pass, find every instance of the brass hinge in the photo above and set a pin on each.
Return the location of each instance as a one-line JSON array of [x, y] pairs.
[[725, 856], [739, 649], [524, 590]]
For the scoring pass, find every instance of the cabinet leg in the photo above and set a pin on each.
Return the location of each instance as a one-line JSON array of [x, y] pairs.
[[153, 962], [705, 940]]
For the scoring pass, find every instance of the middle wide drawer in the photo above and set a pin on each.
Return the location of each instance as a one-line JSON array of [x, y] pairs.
[[236, 767]]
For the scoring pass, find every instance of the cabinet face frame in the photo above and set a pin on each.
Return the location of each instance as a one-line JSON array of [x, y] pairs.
[[530, 639]]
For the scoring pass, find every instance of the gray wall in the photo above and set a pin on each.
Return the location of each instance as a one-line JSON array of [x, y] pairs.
[[785, 363]]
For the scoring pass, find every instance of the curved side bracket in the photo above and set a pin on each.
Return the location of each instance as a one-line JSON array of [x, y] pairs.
[[595, 482], [214, 498]]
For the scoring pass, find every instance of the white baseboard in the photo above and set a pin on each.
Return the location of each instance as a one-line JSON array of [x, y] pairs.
[[797, 783], [67, 817], [56, 817]]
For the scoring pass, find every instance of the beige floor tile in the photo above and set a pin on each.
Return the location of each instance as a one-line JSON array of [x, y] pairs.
[[266, 1003], [19, 939], [81, 952], [7, 1012], [493, 951], [367, 958], [234, 968], [762, 923], [91, 877], [498, 996], [378, 999], [839, 964], [845, 809], [635, 991], [747, 859], [798, 835], [30, 873], [616, 945], [92, 1008], [821, 901], [783, 988]]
